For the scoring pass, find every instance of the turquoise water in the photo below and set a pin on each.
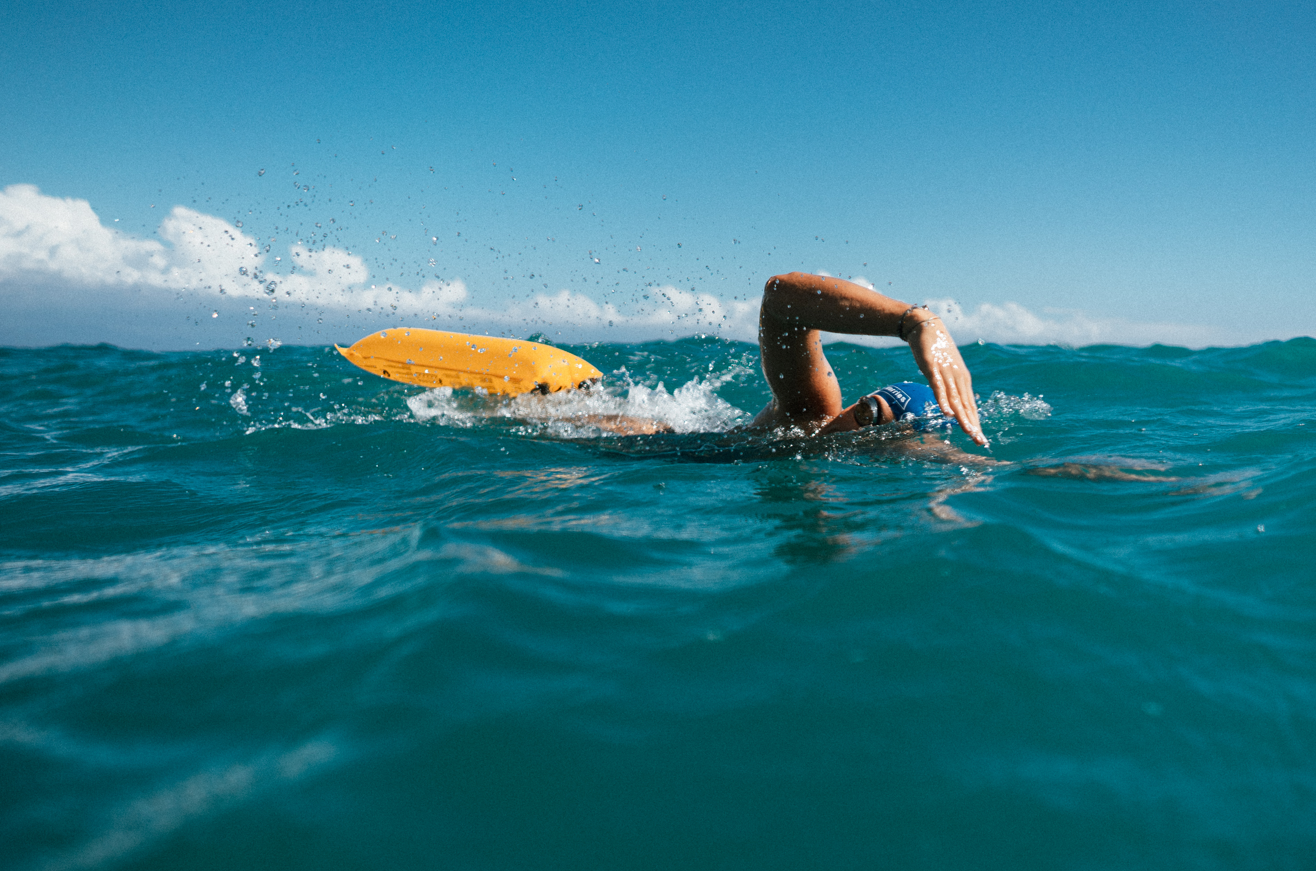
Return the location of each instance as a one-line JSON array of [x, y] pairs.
[[288, 615]]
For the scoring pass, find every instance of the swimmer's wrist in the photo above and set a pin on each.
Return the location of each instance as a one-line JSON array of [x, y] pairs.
[[900, 324], [911, 331]]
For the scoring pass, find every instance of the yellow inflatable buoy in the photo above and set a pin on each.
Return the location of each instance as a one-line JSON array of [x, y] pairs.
[[430, 358]]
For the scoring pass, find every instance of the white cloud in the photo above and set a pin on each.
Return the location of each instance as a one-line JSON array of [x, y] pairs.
[[41, 235], [49, 238], [207, 252], [1011, 323], [205, 261], [670, 312]]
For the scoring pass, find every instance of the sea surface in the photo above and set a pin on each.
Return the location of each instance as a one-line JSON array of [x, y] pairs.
[[259, 609]]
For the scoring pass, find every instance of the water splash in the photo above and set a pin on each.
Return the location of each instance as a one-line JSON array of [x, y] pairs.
[[1002, 412], [1001, 405], [692, 407]]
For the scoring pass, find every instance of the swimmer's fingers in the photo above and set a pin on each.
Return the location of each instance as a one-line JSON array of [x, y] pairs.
[[941, 363], [956, 400], [963, 405]]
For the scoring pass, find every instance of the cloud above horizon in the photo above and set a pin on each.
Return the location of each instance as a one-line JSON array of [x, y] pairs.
[[61, 242]]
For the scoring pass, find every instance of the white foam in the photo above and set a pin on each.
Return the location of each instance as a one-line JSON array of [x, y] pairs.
[[1002, 405], [442, 405], [692, 407], [1001, 411], [300, 418]]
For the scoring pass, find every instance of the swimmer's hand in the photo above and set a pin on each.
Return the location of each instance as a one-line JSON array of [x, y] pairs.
[[940, 362]]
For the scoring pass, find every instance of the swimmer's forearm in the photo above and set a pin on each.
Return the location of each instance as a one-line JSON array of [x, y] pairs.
[[938, 450], [817, 302]]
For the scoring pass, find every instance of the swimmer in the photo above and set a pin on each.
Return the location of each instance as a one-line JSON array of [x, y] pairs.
[[798, 307]]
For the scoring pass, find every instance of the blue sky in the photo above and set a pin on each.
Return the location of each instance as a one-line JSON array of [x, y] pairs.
[[1041, 172]]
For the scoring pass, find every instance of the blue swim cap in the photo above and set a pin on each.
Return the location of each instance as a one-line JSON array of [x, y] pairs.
[[914, 403]]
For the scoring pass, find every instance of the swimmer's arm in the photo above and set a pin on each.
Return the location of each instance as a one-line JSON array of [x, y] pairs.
[[1096, 472], [797, 306], [819, 302], [937, 450], [621, 424], [804, 388]]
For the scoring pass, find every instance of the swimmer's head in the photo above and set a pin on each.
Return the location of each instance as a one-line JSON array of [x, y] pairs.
[[912, 403]]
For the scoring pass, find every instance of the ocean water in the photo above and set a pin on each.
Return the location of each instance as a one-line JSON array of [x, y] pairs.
[[261, 610]]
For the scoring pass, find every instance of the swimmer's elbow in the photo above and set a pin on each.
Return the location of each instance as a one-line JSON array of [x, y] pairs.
[[787, 278], [782, 284]]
